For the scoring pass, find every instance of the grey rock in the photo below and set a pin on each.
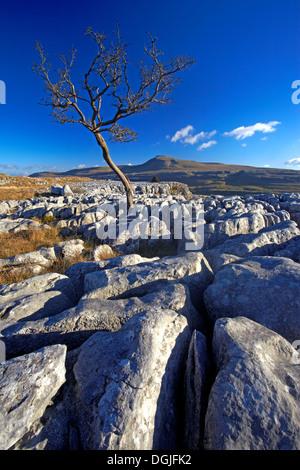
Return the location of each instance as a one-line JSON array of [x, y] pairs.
[[290, 249], [276, 217], [56, 429], [192, 269], [125, 379], [295, 206], [66, 190], [218, 232], [75, 325], [16, 225], [264, 243], [4, 208], [296, 217], [34, 307], [101, 252], [70, 249], [59, 190], [254, 402], [42, 258], [35, 262], [264, 289], [35, 285], [78, 271], [27, 385]]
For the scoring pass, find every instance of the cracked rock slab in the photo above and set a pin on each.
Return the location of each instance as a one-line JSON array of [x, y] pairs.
[[254, 401], [262, 288], [27, 385], [191, 269], [74, 326], [77, 271], [127, 383], [264, 243]]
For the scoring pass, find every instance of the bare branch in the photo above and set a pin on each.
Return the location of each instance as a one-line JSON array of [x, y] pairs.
[[122, 134], [108, 75]]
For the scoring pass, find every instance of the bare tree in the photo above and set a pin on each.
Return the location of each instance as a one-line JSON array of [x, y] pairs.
[[108, 75]]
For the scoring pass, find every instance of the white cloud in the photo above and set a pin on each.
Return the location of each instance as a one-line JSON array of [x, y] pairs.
[[267, 166], [244, 145], [193, 139], [206, 145], [81, 166], [293, 162], [244, 132], [179, 135], [185, 135]]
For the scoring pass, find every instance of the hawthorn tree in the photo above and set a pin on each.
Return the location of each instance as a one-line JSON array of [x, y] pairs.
[[108, 76]]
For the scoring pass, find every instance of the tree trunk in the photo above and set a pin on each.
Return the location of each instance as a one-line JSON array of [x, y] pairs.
[[123, 178]]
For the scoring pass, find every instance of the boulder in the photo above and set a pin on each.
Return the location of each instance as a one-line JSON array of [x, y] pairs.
[[101, 252], [27, 385], [70, 249], [264, 289], [4, 208], [254, 401], [125, 379], [66, 191], [59, 190]]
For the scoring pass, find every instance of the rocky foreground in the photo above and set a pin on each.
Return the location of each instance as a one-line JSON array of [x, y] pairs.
[[191, 351]]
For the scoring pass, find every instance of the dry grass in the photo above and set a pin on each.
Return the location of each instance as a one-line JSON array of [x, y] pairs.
[[24, 187], [27, 240], [31, 240]]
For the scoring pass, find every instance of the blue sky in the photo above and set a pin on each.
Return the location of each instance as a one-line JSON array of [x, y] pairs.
[[234, 106]]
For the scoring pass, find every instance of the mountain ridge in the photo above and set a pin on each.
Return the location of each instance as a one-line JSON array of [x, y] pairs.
[[203, 177]]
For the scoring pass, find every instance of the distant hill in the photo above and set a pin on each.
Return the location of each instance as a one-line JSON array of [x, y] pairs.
[[202, 178]]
